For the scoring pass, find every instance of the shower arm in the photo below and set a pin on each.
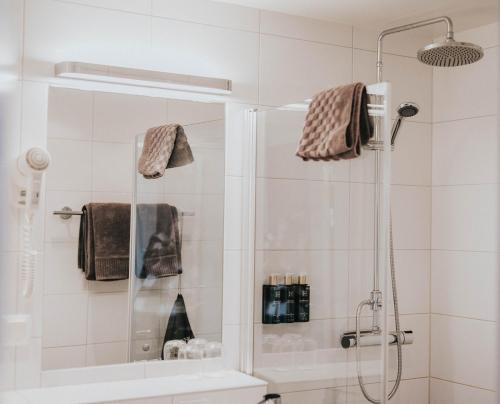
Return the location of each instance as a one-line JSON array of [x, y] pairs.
[[407, 27]]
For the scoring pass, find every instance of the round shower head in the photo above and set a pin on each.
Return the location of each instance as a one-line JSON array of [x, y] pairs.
[[408, 109], [450, 53]]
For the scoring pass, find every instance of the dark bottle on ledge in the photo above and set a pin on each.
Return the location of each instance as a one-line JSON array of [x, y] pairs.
[[302, 299], [271, 294]]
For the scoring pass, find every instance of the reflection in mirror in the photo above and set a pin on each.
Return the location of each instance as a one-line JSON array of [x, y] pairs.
[[93, 138]]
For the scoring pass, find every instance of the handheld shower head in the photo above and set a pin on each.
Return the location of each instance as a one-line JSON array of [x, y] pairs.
[[405, 110]]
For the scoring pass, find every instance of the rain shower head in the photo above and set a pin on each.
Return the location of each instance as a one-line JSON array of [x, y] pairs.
[[450, 53], [405, 110]]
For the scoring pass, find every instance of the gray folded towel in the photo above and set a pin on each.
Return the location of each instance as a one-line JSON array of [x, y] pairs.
[[164, 147], [158, 246], [336, 125], [104, 241]]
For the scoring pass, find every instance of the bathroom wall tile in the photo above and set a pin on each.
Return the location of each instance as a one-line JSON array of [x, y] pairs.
[[133, 6], [360, 278], [112, 166], [110, 110], [412, 157], [202, 265], [208, 215], [58, 230], [182, 46], [45, 20], [7, 368], [443, 392], [64, 320], [280, 66], [485, 35], [398, 70], [70, 165], [403, 43], [146, 321], [28, 364], [362, 168], [70, 114], [206, 135], [411, 213], [305, 28], [232, 287], [472, 293], [107, 317], [413, 272], [361, 219], [282, 224], [9, 263], [323, 396], [318, 339], [106, 354], [34, 114], [278, 134], [108, 287], [459, 158], [410, 392], [459, 94], [455, 358], [209, 12], [62, 274], [204, 175], [189, 112], [464, 218], [327, 273], [121, 197], [63, 357]]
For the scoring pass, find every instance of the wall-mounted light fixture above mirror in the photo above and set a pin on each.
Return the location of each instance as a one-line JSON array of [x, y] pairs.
[[142, 78]]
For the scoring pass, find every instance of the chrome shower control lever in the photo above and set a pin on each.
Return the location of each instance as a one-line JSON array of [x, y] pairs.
[[369, 338]]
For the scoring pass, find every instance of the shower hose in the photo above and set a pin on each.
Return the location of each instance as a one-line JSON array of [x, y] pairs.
[[398, 330]]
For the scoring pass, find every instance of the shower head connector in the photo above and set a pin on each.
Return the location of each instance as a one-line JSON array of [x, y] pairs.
[[450, 53]]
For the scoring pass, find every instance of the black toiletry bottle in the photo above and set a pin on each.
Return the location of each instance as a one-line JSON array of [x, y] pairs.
[[290, 302], [271, 301], [302, 299]]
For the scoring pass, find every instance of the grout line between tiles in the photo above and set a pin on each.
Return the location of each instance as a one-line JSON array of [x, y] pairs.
[[461, 384]]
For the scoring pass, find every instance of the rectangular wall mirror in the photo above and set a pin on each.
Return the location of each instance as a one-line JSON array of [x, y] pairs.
[[95, 140]]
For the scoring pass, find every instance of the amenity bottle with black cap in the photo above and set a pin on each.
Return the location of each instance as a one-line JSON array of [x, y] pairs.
[[302, 299], [271, 301]]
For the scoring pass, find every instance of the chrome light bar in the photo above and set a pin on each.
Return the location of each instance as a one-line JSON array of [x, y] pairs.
[[142, 78]]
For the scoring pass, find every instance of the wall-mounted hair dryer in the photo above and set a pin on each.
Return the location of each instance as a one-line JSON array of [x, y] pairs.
[[32, 165]]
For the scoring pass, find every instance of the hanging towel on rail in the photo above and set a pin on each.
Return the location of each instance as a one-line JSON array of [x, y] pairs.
[[104, 240], [337, 124], [158, 246], [164, 147]]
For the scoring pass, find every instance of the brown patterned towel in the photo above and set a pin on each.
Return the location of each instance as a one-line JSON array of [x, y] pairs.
[[164, 147], [337, 124]]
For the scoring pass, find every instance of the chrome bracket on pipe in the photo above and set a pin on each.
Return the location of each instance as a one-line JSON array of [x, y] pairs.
[[369, 338]]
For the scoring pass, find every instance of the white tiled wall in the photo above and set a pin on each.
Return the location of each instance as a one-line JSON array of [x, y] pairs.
[[465, 227], [91, 139]]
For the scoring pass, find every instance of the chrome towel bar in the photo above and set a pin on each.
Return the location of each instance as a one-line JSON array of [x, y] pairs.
[[66, 213]]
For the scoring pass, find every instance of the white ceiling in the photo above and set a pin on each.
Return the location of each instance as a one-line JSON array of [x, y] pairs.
[[381, 13]]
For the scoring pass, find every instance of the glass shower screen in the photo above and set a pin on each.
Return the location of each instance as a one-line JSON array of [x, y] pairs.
[[314, 263]]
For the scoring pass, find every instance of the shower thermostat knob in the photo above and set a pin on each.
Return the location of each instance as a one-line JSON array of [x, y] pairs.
[[146, 347]]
